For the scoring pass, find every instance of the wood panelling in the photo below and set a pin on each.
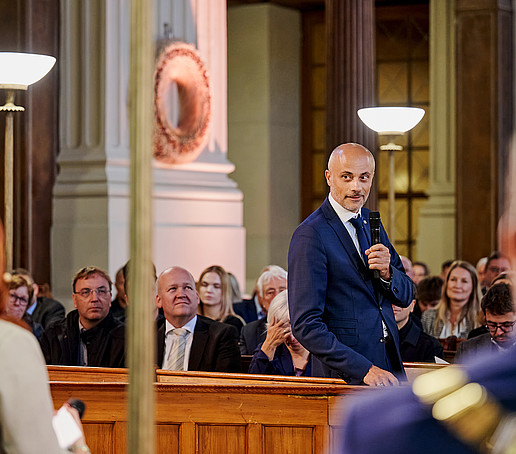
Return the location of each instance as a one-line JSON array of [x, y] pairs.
[[213, 439], [201, 412]]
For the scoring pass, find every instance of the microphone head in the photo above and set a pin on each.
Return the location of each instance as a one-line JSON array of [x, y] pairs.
[[79, 405], [374, 219]]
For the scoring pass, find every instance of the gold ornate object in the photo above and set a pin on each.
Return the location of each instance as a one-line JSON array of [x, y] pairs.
[[467, 410]]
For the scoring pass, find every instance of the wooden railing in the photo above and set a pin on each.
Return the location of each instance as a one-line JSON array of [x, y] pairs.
[[202, 412]]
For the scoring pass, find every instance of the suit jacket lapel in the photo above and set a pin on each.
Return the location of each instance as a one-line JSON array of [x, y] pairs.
[[343, 235], [200, 337]]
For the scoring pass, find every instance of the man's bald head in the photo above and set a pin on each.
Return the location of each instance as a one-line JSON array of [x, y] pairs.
[[350, 175], [349, 150]]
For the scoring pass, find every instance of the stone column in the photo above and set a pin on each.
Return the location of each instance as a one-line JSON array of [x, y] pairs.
[[198, 210], [437, 216], [350, 63]]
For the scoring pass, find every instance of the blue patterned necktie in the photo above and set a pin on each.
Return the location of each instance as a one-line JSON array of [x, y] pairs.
[[358, 223]]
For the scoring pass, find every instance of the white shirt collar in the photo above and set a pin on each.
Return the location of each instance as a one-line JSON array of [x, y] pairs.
[[343, 214], [190, 326]]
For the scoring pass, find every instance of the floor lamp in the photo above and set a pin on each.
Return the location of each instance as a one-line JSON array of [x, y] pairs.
[[391, 122], [17, 71]]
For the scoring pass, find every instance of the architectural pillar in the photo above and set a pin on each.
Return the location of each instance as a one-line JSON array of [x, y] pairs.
[[437, 216], [264, 132], [198, 211], [350, 78], [484, 34]]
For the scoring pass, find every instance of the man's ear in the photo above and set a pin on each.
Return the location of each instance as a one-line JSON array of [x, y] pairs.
[[158, 302], [411, 305], [74, 298], [36, 290], [327, 174]]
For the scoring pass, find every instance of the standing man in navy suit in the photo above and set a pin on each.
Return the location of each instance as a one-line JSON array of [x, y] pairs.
[[340, 311]]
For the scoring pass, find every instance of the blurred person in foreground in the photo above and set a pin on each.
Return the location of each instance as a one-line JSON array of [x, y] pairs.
[[280, 353], [26, 406]]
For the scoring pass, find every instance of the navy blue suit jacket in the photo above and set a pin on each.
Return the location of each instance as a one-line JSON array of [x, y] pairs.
[[336, 306]]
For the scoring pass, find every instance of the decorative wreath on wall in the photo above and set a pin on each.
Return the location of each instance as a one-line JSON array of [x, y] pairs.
[[180, 64]]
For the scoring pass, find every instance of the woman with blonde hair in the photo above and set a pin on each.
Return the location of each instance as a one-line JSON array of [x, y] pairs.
[[457, 311], [214, 287]]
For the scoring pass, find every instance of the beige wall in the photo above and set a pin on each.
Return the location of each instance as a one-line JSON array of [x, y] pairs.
[[264, 127]]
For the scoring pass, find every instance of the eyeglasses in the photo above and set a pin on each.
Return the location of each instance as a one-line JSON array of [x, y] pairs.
[[506, 327], [86, 292], [18, 299]]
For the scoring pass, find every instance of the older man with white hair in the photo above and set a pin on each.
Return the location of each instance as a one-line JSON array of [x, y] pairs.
[[271, 282]]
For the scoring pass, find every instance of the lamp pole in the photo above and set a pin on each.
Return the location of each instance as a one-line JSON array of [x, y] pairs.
[[10, 108], [391, 148]]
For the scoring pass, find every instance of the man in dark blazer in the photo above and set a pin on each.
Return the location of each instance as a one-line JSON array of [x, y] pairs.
[[500, 314], [340, 311], [185, 340]]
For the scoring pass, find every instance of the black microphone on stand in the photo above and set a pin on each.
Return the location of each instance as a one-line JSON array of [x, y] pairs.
[[374, 226]]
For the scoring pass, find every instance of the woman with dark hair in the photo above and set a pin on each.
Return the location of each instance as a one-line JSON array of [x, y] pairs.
[[457, 311], [214, 287]]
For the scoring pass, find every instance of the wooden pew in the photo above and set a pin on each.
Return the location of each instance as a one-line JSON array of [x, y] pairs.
[[202, 412]]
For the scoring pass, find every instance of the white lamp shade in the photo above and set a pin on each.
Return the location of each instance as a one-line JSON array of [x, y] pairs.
[[19, 70], [391, 120]]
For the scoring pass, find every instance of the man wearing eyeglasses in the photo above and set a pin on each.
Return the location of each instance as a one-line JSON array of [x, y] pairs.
[[500, 314], [89, 335]]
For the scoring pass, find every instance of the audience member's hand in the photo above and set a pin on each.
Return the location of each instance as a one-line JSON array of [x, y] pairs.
[[379, 258], [379, 377], [277, 333]]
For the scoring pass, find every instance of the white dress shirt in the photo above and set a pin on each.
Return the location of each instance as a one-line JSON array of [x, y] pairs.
[[169, 338]]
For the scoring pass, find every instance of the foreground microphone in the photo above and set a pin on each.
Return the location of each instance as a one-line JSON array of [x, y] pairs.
[[79, 405], [374, 226]]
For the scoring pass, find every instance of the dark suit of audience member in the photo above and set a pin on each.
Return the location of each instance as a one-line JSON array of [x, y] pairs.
[[280, 365], [214, 346], [117, 310], [47, 311], [417, 346], [105, 343], [247, 310], [252, 335], [89, 335], [185, 340], [474, 346]]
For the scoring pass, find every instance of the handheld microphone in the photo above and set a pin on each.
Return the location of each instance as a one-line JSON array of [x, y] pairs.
[[79, 405], [374, 226]]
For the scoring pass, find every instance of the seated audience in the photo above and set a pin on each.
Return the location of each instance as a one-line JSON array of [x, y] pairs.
[[250, 309], [236, 294], [456, 313], [415, 345], [42, 309], [500, 317], [445, 266], [280, 353], [20, 293], [271, 282], [421, 271], [428, 295], [89, 335], [407, 264], [496, 264], [481, 272], [185, 340], [119, 304], [214, 287]]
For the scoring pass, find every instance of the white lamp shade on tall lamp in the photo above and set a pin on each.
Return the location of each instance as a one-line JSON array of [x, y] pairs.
[[18, 70], [391, 120]]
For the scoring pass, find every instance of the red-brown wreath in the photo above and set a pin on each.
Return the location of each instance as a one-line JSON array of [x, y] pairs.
[[180, 63]]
